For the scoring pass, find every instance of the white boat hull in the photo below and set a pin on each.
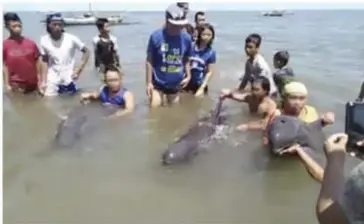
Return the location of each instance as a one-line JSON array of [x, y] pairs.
[[90, 20]]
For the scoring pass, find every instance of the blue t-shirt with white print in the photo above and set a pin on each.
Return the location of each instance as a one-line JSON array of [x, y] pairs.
[[169, 55], [200, 61]]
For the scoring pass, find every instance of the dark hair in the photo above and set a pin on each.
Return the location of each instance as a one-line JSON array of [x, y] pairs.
[[282, 57], [112, 68], [49, 20], [100, 23], [254, 38], [200, 29], [199, 13], [11, 16], [264, 82], [190, 29], [183, 5]]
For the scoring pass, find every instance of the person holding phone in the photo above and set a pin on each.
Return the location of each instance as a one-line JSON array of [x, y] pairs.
[[361, 93], [340, 201]]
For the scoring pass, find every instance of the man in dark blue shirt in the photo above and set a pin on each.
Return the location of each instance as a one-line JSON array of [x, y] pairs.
[[168, 54]]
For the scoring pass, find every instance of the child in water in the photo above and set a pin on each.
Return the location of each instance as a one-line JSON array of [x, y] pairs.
[[112, 92], [202, 61], [256, 65], [283, 74], [258, 101], [105, 47]]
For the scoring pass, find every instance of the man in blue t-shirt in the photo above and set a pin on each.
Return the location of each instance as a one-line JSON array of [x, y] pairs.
[[168, 54]]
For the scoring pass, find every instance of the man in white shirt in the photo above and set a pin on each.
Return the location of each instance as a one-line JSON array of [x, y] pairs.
[[58, 49]]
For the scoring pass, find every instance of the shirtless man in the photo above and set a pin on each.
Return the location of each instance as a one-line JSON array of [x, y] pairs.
[[258, 101]]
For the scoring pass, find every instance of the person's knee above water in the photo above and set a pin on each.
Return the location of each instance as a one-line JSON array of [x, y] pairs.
[[105, 46], [168, 59], [202, 61], [256, 65], [258, 101], [284, 74], [58, 49], [295, 104], [113, 92]]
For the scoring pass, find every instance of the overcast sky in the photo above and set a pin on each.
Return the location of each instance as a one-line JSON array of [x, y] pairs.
[[157, 6]]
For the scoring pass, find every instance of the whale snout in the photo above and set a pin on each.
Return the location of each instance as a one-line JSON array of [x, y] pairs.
[[168, 158]]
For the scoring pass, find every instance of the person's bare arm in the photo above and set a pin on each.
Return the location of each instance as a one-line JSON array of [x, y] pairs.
[[84, 60], [116, 54], [243, 83], [328, 210], [129, 105], [238, 96], [5, 75], [5, 71], [117, 60], [327, 118], [148, 69], [90, 96], [186, 61], [207, 77], [40, 73], [266, 110], [313, 168], [244, 80], [85, 55], [44, 65], [149, 62], [210, 70]]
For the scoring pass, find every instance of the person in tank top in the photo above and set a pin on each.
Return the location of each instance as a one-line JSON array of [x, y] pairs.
[[112, 93], [105, 47]]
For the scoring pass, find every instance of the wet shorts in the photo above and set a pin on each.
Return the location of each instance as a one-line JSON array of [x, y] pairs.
[[54, 89], [68, 89], [166, 90], [194, 87]]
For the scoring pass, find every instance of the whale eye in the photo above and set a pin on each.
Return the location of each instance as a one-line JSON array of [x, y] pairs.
[[283, 121]]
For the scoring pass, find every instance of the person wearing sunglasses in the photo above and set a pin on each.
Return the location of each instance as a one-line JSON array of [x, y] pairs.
[[58, 49]]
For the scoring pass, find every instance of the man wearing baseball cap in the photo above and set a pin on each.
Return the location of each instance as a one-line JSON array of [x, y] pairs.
[[58, 49], [168, 53]]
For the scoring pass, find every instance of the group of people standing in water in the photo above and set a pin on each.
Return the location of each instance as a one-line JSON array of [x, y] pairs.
[[179, 58]]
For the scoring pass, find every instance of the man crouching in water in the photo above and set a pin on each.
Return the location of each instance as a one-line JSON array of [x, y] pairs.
[[113, 92], [295, 104], [258, 101]]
